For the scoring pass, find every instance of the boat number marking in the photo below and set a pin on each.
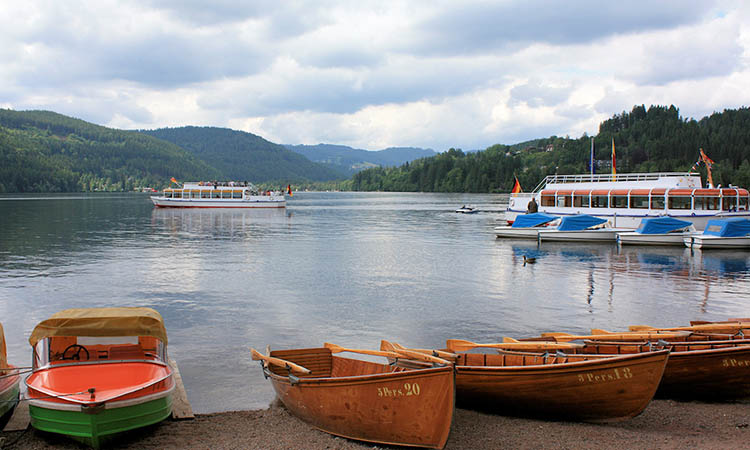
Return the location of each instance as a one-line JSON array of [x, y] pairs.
[[613, 375], [736, 362], [407, 390]]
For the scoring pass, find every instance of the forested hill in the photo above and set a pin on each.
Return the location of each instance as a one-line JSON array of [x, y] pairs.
[[646, 140], [351, 160], [245, 156], [42, 151]]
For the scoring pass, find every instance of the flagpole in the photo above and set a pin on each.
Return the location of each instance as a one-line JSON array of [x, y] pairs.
[[591, 161]]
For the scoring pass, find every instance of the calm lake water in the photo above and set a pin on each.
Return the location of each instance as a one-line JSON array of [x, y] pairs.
[[348, 268]]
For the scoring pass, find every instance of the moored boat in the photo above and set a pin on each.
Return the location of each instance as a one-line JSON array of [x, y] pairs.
[[229, 194], [722, 233], [581, 228], [363, 400], [9, 390], [571, 387], [657, 231], [467, 210], [526, 226], [98, 372]]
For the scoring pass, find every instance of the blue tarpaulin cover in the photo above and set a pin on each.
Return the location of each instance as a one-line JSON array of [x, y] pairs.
[[734, 227], [579, 222], [661, 225], [532, 220]]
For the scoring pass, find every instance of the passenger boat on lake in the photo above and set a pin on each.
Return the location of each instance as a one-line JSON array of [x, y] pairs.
[[98, 372], [625, 199], [219, 195], [367, 401]]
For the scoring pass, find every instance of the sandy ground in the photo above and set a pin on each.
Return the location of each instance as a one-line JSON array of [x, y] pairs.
[[665, 424]]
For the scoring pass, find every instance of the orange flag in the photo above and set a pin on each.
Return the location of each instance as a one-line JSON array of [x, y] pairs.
[[289, 190], [614, 166], [516, 187], [173, 180]]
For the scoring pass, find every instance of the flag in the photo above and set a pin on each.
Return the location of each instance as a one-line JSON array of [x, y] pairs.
[[706, 159], [173, 180], [516, 187], [614, 165], [289, 190]]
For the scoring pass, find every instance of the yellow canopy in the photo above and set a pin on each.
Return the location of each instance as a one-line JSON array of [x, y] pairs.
[[3, 354], [100, 322]]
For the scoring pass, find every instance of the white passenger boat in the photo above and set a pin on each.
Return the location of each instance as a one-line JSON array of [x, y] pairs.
[[526, 226], [625, 199], [581, 228], [722, 233], [219, 195], [658, 231]]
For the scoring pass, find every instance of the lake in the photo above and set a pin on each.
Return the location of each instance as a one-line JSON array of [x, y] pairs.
[[347, 268]]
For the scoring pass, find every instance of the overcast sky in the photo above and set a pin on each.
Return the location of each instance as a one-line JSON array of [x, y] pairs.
[[433, 74]]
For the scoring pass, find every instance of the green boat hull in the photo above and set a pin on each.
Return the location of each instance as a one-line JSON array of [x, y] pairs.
[[96, 428]]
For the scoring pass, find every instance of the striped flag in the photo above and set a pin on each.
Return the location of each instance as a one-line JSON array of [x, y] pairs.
[[516, 187], [289, 190]]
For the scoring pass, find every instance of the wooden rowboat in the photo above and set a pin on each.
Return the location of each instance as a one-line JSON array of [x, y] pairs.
[[9, 390], [363, 400], [98, 372], [571, 388], [711, 370]]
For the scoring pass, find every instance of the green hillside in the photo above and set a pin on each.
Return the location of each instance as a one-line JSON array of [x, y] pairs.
[[42, 151], [245, 156], [656, 139]]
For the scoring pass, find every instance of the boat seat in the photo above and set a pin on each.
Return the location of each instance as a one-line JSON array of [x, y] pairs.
[[130, 351]]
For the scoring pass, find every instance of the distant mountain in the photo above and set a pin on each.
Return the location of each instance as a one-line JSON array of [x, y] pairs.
[[245, 156], [351, 160], [42, 151]]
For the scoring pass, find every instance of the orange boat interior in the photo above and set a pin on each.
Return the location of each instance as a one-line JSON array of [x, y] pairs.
[[516, 359], [620, 348], [323, 364], [65, 349]]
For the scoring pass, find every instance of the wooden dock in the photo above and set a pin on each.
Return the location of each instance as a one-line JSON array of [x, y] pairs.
[[181, 408]]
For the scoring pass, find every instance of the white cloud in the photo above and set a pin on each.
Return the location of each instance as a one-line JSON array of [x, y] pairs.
[[373, 74]]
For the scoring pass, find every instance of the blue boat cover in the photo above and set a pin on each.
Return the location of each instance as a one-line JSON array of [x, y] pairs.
[[579, 222], [661, 225], [532, 220], [734, 227]]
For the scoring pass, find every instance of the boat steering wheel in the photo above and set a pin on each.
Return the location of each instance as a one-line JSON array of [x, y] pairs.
[[77, 354]]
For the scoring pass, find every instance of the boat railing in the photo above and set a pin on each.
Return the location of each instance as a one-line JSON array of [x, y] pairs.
[[600, 178]]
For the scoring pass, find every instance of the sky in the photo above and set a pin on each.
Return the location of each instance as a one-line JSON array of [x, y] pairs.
[[374, 74]]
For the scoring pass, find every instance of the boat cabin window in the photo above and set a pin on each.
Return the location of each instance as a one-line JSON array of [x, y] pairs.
[[563, 201], [548, 200], [743, 204], [681, 202], [639, 201], [168, 194], [195, 194], [236, 194], [73, 349], [205, 194], [581, 201], [599, 201], [657, 202], [215, 194], [619, 201], [177, 194], [708, 203]]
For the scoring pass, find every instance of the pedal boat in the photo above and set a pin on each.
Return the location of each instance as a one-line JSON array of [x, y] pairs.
[[98, 372], [363, 400], [9, 388]]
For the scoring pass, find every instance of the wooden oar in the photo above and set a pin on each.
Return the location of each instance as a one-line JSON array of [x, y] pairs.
[[460, 345], [337, 349], [730, 320], [439, 353], [598, 334], [411, 354], [292, 367], [709, 327]]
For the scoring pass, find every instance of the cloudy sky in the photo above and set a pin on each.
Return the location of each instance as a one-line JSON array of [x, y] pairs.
[[373, 74]]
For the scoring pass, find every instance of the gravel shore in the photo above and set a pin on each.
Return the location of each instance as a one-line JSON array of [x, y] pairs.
[[665, 424]]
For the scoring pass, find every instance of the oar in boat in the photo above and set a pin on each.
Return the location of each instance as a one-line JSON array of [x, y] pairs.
[[411, 354], [290, 366], [730, 320], [338, 349], [460, 345], [439, 353], [730, 327], [599, 334]]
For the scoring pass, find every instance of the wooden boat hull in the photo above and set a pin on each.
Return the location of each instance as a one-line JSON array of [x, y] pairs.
[[713, 370], [401, 407], [127, 396], [601, 390]]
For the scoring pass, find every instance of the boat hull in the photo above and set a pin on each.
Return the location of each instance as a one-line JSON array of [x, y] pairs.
[[9, 393], [600, 390], [517, 233], [410, 408], [603, 235], [633, 238], [253, 202], [700, 241]]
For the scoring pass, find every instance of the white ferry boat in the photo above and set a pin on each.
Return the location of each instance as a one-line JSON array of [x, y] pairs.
[[219, 195], [625, 199]]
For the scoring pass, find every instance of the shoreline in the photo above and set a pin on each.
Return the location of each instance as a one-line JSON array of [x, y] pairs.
[[664, 424]]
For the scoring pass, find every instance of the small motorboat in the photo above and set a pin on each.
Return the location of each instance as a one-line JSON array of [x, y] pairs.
[[658, 231], [9, 378], [97, 372], [362, 400], [526, 226], [582, 227], [467, 210], [722, 233]]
